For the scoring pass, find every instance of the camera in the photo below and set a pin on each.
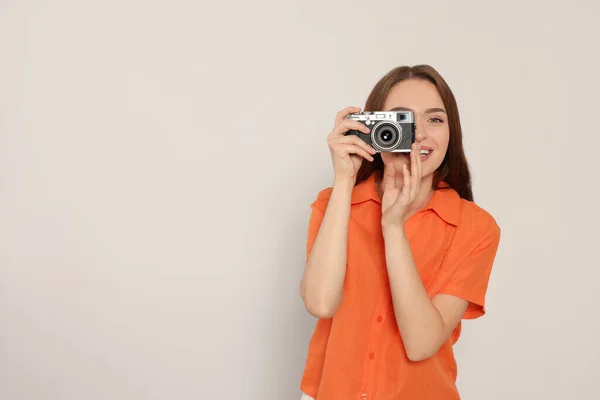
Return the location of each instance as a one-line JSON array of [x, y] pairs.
[[391, 131]]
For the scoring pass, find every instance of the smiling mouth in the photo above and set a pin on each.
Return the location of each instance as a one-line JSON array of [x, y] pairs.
[[425, 153]]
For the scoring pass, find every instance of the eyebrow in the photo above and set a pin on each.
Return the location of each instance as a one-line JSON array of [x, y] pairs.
[[428, 111]]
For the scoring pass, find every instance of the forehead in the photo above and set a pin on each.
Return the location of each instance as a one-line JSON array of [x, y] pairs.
[[416, 94]]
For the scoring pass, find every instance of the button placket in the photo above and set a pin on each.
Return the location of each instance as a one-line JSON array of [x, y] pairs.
[[375, 334]]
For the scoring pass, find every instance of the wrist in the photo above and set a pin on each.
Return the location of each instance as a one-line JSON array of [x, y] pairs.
[[344, 182], [392, 228]]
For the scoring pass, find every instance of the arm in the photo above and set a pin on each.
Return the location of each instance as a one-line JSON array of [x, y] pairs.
[[322, 283], [424, 324]]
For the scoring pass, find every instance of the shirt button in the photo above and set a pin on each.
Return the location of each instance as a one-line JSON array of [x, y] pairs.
[[372, 356], [379, 319]]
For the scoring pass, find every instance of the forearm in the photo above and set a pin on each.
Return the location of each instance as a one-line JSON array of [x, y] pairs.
[[419, 321], [325, 270]]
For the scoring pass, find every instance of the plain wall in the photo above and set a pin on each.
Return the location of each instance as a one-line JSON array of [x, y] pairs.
[[158, 160]]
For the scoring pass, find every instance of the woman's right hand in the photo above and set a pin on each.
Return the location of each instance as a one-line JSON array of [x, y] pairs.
[[347, 152]]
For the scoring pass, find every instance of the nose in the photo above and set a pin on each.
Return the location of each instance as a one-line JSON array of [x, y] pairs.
[[420, 134]]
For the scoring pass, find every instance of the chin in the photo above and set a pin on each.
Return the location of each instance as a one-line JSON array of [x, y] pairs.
[[429, 170], [427, 174]]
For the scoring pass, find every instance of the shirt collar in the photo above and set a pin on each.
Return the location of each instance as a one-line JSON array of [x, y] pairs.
[[445, 201], [367, 189]]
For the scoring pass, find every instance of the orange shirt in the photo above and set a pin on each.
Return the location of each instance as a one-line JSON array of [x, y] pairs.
[[358, 354]]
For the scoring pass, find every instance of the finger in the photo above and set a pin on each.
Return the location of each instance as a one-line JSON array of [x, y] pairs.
[[420, 166], [341, 115], [355, 140], [347, 125], [352, 149], [406, 187], [399, 175], [390, 177], [414, 170], [351, 140]]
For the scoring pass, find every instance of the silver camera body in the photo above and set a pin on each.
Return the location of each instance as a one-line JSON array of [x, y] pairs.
[[391, 131]]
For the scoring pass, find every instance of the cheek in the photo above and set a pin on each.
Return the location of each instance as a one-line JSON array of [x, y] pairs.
[[443, 138], [441, 141]]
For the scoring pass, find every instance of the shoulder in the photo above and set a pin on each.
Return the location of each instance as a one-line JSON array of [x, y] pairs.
[[477, 223], [322, 199], [475, 216]]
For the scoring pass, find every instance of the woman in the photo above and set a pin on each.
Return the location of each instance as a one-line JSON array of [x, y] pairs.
[[397, 253]]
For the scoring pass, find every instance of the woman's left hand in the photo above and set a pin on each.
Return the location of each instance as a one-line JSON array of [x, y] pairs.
[[400, 188]]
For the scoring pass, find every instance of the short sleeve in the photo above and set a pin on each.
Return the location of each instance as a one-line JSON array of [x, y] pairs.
[[317, 214], [471, 277]]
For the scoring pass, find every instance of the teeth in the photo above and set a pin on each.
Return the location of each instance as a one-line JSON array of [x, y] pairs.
[[424, 152]]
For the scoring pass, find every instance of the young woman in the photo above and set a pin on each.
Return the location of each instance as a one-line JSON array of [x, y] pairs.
[[397, 253]]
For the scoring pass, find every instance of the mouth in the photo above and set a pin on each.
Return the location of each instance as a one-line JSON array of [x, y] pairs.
[[425, 153]]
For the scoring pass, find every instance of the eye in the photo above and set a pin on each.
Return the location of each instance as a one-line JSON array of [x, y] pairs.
[[436, 120]]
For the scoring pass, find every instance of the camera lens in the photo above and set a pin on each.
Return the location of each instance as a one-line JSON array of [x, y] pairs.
[[386, 136]]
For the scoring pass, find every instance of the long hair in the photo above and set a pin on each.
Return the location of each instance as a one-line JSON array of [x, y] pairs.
[[454, 169]]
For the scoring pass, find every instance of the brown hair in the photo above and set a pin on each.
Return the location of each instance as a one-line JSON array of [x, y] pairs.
[[454, 169]]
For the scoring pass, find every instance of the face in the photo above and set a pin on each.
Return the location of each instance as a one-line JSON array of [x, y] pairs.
[[432, 132]]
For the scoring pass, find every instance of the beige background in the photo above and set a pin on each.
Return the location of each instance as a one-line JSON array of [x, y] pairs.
[[158, 159]]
